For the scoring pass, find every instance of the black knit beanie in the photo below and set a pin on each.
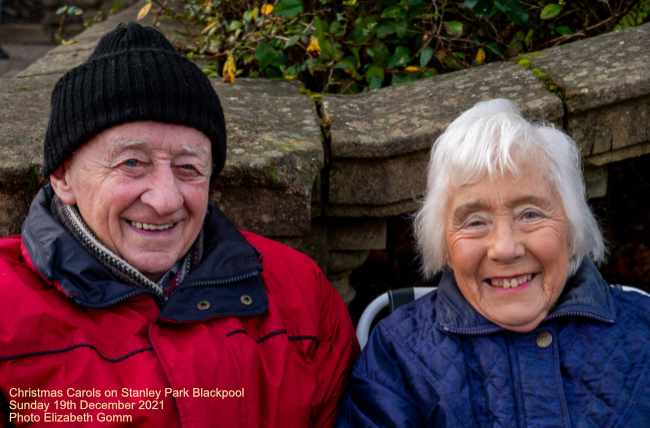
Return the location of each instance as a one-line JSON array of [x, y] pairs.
[[133, 74]]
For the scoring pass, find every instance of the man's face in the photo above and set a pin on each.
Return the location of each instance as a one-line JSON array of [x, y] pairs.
[[142, 188]]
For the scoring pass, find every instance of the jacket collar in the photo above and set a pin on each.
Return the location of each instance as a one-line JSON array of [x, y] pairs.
[[586, 294], [227, 282]]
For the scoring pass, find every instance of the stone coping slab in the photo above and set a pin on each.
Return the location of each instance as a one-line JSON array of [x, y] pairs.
[[601, 70], [408, 118]]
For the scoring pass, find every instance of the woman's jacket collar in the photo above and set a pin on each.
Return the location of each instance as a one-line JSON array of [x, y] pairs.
[[230, 269], [586, 294]]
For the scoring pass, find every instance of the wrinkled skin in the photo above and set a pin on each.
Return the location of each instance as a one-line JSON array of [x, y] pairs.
[[142, 188], [510, 230]]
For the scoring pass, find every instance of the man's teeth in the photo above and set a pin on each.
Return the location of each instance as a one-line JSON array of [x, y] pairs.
[[511, 282], [148, 226]]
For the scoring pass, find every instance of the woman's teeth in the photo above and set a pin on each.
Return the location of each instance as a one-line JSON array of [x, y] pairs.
[[511, 282], [149, 226]]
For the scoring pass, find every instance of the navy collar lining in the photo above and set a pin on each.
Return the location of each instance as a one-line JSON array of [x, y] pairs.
[[586, 294], [230, 267]]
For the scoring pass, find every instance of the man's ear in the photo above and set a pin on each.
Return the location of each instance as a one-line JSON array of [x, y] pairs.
[[60, 181]]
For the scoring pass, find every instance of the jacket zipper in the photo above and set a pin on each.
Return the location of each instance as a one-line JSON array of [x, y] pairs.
[[225, 281], [487, 330], [470, 331], [580, 314]]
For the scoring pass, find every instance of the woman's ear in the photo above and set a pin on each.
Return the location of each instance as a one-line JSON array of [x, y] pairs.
[[61, 183]]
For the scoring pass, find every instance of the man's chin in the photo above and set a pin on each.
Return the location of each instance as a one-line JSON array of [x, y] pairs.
[[153, 269]]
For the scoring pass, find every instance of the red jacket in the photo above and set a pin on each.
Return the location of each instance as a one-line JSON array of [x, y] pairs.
[[232, 347]]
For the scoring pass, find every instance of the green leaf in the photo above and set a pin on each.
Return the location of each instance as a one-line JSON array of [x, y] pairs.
[[75, 11], [513, 10], [326, 49], [494, 48], [321, 26], [291, 41], [375, 76], [288, 8], [337, 28], [234, 25], [401, 78], [480, 7], [251, 15], [394, 12], [550, 11], [454, 28], [400, 58], [415, 3], [363, 29], [425, 56], [379, 53], [384, 30], [347, 64], [563, 30], [268, 56], [401, 28]]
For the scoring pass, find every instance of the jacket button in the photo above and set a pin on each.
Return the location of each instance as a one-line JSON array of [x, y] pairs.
[[246, 300], [544, 339], [203, 305]]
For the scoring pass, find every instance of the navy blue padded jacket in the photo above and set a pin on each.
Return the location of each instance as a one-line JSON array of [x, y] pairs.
[[438, 363]]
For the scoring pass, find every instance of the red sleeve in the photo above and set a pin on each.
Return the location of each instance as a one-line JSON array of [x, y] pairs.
[[336, 354]]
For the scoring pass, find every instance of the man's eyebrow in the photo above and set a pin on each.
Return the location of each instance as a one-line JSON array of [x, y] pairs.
[[194, 150], [119, 145]]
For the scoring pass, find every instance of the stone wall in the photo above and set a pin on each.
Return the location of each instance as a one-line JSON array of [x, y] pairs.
[[330, 196]]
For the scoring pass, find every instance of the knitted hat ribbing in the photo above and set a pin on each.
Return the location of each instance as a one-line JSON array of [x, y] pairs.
[[133, 74]]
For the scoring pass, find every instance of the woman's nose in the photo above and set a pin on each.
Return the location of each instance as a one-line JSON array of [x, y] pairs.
[[505, 244]]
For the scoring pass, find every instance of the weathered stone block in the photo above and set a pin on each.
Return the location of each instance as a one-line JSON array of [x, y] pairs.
[[408, 118], [600, 71], [611, 127], [275, 148], [595, 181], [346, 261], [59, 60], [379, 181], [356, 234]]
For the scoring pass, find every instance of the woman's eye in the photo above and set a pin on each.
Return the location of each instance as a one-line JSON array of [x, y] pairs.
[[474, 223]]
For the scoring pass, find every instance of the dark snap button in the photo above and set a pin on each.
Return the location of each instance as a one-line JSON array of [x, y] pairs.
[[246, 300], [203, 305]]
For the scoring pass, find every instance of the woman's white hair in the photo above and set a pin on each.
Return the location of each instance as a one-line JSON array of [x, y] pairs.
[[491, 139]]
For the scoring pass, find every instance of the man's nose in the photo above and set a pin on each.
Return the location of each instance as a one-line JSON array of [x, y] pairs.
[[505, 244], [163, 194]]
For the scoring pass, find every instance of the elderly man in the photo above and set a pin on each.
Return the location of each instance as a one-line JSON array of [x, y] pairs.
[[129, 300]]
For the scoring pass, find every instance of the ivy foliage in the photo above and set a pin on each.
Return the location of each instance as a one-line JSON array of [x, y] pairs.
[[347, 46]]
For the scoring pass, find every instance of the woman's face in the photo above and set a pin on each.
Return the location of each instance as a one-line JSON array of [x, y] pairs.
[[507, 243]]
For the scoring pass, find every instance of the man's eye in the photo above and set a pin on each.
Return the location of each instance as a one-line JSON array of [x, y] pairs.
[[188, 170], [132, 163]]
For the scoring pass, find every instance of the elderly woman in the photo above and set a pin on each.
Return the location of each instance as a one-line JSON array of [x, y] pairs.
[[522, 330]]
